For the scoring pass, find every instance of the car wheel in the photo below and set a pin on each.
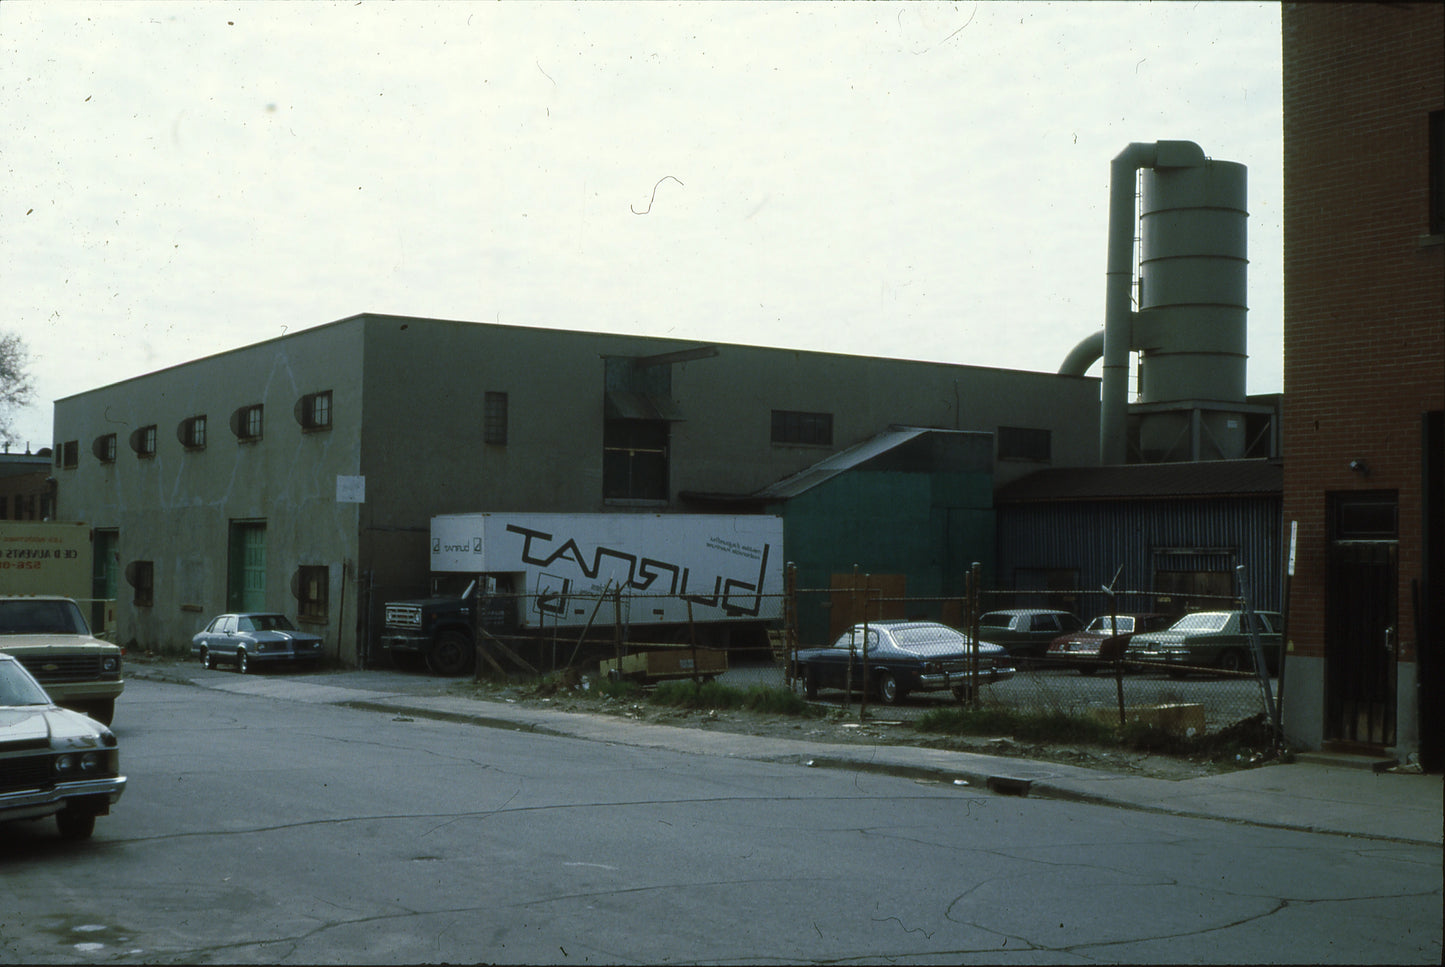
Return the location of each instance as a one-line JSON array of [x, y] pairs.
[[889, 691], [453, 654], [810, 684], [242, 665], [963, 693], [1233, 660], [206, 658], [102, 712], [75, 823]]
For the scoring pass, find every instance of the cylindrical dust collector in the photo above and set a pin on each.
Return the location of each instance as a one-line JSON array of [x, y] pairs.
[[1190, 330]]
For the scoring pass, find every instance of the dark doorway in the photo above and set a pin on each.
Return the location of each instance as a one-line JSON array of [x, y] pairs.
[[1361, 628]]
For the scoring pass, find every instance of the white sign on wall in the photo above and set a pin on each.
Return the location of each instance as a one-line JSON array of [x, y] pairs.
[[350, 490]]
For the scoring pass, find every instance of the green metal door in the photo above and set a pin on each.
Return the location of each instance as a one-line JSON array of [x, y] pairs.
[[246, 584], [104, 568]]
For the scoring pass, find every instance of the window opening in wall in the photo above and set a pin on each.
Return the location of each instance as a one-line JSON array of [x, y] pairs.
[[143, 441], [313, 411], [1024, 443], [68, 455], [192, 433], [312, 582], [791, 426], [494, 419], [1437, 172], [248, 422], [634, 459], [140, 575], [104, 448]]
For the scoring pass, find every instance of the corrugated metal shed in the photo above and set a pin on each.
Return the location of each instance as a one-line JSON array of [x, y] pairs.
[[1167, 525], [1161, 481]]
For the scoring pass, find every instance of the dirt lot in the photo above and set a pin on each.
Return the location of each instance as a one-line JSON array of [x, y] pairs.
[[841, 725]]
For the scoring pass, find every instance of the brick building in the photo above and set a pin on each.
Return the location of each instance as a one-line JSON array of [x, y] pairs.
[[1364, 341]]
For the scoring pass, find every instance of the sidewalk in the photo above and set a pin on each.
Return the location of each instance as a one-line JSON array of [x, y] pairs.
[[1315, 796]]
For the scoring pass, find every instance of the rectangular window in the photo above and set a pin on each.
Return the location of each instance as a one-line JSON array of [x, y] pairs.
[[69, 454], [312, 584], [494, 419], [313, 411], [143, 441], [192, 433], [104, 448], [141, 575], [1024, 443], [634, 459], [814, 429]]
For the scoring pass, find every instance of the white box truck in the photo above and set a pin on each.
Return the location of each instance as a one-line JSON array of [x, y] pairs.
[[658, 576]]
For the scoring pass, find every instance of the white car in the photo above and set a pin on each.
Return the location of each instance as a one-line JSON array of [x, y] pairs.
[[53, 761]]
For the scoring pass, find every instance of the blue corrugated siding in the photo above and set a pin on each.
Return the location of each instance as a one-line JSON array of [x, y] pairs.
[[1095, 537]]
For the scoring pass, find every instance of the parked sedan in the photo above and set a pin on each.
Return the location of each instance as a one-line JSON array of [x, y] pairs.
[[1026, 632], [53, 762], [258, 638], [1213, 639], [903, 657], [1081, 649]]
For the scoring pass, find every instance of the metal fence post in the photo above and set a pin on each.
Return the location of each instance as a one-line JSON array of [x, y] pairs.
[[1261, 667]]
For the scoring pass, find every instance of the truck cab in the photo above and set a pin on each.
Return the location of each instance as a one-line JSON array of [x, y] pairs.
[[49, 636]]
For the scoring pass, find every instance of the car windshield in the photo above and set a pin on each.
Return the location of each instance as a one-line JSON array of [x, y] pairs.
[[265, 622], [22, 616], [18, 688], [1103, 623], [1203, 621], [995, 620]]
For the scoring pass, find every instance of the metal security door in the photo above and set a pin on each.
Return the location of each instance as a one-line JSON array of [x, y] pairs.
[[246, 590], [105, 571], [1361, 636]]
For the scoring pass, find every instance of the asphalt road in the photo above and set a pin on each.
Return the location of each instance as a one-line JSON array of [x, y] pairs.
[[257, 830]]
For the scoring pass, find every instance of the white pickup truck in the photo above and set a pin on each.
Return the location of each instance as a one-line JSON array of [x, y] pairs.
[[51, 639]]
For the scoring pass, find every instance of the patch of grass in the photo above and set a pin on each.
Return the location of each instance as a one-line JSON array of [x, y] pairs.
[[623, 690], [1247, 742], [1035, 726], [711, 695]]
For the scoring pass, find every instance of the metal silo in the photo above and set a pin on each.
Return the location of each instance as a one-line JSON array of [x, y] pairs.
[[1191, 326]]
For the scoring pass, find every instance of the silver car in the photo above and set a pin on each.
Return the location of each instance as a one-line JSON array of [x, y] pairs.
[[53, 761], [254, 639]]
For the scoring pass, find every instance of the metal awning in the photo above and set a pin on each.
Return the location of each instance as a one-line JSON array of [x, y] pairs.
[[628, 405]]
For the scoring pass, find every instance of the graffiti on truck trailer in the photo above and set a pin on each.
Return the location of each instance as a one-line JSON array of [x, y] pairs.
[[736, 597]]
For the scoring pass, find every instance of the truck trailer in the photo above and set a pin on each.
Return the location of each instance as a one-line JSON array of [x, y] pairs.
[[709, 579]]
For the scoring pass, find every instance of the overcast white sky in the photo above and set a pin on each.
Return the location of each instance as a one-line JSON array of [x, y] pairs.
[[915, 180]]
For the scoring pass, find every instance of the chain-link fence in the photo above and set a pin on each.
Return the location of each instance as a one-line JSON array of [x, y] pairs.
[[1203, 685]]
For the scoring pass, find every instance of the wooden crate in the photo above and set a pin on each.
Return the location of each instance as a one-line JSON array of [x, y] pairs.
[[659, 664]]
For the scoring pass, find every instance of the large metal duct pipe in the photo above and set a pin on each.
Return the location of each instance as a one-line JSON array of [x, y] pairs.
[[1082, 356], [1118, 317]]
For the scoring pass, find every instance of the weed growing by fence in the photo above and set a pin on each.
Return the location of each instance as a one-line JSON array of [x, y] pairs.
[[1034, 726], [712, 695], [1247, 742]]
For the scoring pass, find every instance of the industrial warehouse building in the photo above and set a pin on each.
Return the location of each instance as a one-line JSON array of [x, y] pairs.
[[1364, 339], [300, 474]]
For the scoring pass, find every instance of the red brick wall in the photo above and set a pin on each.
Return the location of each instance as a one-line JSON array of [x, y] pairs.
[[1364, 299]]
